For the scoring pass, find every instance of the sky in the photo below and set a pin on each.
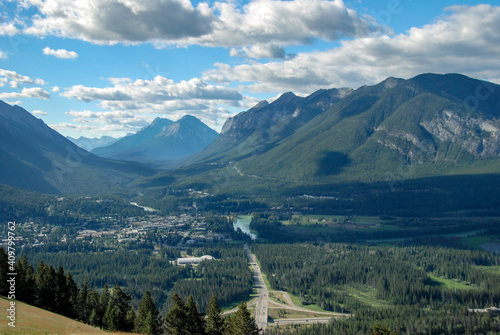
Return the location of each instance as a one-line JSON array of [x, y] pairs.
[[109, 67]]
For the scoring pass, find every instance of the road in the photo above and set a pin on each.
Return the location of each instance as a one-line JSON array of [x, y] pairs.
[[302, 321], [262, 300]]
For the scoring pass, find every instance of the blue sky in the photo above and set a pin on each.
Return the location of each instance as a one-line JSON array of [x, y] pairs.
[[109, 67]]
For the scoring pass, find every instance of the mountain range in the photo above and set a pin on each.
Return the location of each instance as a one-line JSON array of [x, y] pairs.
[[395, 131], [33, 156], [430, 125], [92, 143], [161, 142]]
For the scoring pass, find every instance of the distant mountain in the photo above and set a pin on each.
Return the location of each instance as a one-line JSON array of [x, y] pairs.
[[35, 157], [162, 141], [430, 125], [92, 143]]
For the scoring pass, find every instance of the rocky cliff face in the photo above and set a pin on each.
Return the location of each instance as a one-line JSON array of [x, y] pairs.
[[479, 136]]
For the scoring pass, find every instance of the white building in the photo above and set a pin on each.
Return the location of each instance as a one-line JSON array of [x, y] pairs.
[[194, 260]]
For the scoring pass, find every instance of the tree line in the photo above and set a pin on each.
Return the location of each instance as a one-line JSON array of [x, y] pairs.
[[228, 278], [57, 291]]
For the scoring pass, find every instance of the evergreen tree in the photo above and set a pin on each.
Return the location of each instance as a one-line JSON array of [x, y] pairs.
[[72, 290], [4, 265], [147, 320], [195, 321], [215, 321], [83, 311], [379, 329], [176, 318], [25, 281], [44, 280], [119, 314], [243, 323], [110, 319]]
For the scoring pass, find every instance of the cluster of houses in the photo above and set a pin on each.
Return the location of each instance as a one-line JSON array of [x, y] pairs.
[[191, 229]]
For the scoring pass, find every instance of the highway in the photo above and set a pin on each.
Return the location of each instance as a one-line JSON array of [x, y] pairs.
[[262, 300]]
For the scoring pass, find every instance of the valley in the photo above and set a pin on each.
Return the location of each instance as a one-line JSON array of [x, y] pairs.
[[328, 213]]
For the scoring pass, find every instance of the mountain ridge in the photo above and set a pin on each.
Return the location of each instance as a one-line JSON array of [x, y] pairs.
[[396, 129], [162, 141], [36, 157]]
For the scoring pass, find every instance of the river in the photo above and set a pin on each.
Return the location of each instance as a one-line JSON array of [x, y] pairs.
[[147, 209], [243, 222]]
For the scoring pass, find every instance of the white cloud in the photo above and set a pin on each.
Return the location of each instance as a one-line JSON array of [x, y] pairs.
[[55, 89], [3, 55], [466, 41], [15, 79], [127, 101], [60, 53], [126, 21], [32, 92], [70, 126], [8, 29], [38, 112], [260, 51], [178, 22]]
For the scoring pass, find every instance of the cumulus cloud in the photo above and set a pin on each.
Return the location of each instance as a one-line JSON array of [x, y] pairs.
[[466, 41], [14, 76], [125, 99], [15, 79], [38, 112], [157, 90], [286, 22], [9, 29], [126, 21], [260, 51], [32, 92], [60, 53], [178, 22]]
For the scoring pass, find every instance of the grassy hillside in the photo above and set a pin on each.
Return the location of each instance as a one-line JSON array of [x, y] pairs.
[[33, 321]]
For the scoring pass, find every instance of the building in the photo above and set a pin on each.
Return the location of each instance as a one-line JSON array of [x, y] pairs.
[[194, 260]]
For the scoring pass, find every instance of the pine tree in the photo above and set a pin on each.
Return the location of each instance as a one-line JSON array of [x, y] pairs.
[[215, 322], [110, 318], [81, 307], [176, 318], [195, 321], [4, 265], [385, 329], [243, 323], [147, 320]]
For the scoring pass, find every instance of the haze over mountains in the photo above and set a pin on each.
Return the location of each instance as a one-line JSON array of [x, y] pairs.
[[161, 142], [427, 126], [33, 156], [92, 143]]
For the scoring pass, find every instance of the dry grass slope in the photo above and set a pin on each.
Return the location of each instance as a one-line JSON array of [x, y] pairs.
[[35, 321]]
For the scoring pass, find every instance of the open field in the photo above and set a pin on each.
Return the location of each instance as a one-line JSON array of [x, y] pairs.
[[451, 283]]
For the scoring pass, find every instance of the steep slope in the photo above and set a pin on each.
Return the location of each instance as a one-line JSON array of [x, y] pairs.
[[163, 141], [35, 157], [129, 142], [415, 128], [261, 127], [427, 126], [34, 320]]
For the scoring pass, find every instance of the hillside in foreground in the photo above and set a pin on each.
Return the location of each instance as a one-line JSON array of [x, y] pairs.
[[33, 321]]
